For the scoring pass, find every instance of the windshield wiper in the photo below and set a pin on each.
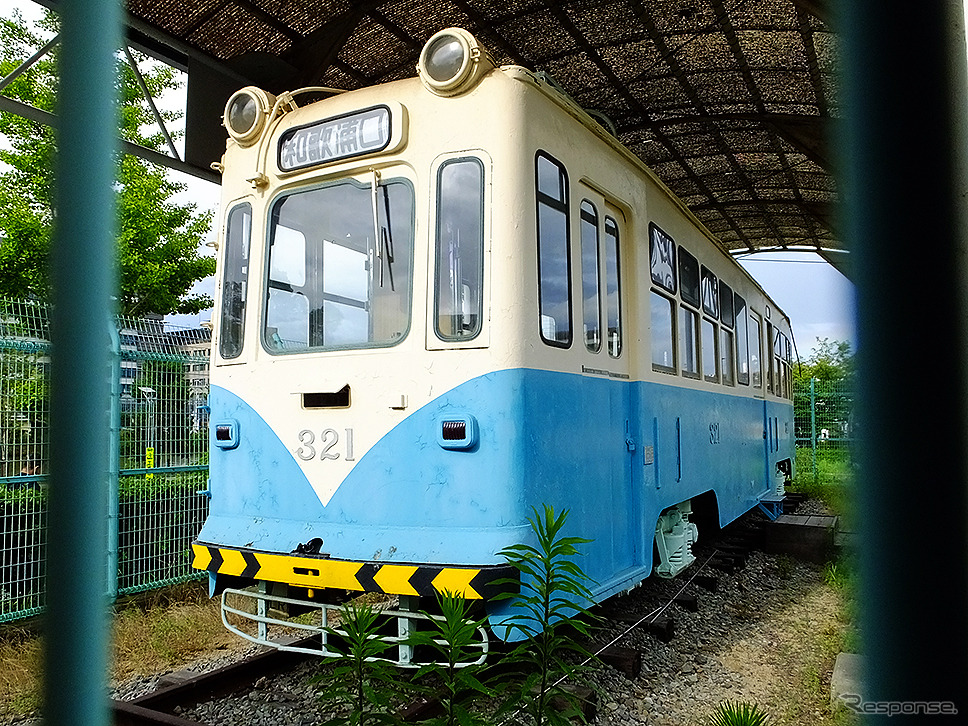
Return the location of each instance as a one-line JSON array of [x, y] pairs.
[[382, 234]]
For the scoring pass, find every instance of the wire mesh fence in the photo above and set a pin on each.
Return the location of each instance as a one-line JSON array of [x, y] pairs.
[[159, 503], [825, 429]]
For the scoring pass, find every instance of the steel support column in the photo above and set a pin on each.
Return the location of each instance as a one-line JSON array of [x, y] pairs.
[[84, 282], [902, 155]]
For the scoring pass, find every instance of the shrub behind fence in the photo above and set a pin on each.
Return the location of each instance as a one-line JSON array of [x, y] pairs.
[[825, 429], [160, 395]]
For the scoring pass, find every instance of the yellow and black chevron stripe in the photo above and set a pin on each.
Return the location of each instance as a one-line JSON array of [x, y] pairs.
[[473, 583]]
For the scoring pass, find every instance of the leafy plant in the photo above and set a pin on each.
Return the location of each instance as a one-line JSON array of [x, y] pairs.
[[453, 639], [361, 679], [784, 567], [739, 714], [553, 594]]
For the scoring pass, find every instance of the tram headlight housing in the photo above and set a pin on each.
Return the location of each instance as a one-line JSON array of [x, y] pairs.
[[246, 114], [453, 62]]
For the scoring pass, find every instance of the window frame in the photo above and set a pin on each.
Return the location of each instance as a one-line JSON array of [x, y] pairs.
[[688, 260], [361, 182], [610, 220], [755, 317], [659, 367], [588, 222], [697, 342], [243, 280], [561, 206], [658, 238], [727, 357], [482, 250], [742, 327], [714, 354]]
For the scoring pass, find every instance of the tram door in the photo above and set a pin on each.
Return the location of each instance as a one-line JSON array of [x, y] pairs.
[[605, 366]]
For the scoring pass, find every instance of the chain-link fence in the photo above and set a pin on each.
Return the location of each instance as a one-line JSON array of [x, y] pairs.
[[158, 503], [825, 429]]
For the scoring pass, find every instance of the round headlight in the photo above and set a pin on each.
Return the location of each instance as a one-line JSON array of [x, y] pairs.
[[445, 57], [452, 62], [246, 113]]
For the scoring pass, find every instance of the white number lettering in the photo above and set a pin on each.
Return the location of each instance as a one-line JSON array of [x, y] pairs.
[[329, 438], [306, 451]]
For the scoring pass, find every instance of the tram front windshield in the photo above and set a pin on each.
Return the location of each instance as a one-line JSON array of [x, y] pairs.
[[339, 267]]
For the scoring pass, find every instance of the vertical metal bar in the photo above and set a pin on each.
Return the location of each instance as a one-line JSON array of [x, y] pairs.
[[114, 462], [84, 280], [904, 181], [262, 610], [813, 428]]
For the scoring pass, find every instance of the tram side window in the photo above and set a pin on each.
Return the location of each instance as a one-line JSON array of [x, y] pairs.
[[689, 342], [590, 275], [709, 351], [688, 278], [789, 368], [780, 364], [337, 277], [742, 341], [662, 259], [726, 354], [688, 318], [238, 236], [613, 297], [756, 351], [771, 373], [460, 250], [663, 333], [554, 264], [664, 274], [709, 293]]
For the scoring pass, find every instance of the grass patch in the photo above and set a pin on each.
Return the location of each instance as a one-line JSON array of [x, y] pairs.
[[156, 632], [21, 662], [166, 630], [834, 481]]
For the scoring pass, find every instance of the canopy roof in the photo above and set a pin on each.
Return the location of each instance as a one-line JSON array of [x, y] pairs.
[[729, 101]]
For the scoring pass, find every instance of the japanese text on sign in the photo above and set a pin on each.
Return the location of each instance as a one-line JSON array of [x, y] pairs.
[[336, 138]]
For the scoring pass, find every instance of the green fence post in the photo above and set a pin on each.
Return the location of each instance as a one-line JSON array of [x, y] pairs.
[[813, 428], [114, 462], [84, 281]]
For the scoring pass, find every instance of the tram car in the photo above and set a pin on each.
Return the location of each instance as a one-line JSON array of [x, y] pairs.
[[446, 301]]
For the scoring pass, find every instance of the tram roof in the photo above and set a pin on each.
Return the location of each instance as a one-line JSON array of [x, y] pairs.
[[731, 102]]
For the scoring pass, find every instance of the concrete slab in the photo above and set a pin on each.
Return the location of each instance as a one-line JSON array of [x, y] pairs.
[[846, 677]]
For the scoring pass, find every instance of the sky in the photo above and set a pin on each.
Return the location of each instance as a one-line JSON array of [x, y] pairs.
[[818, 299]]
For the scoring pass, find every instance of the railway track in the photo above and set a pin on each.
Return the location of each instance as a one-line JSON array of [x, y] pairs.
[[158, 706], [637, 612]]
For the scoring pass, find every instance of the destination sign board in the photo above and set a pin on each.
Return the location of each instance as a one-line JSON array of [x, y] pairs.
[[333, 139]]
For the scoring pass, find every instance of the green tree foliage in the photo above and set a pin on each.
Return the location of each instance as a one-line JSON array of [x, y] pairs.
[[158, 238], [831, 360], [831, 364]]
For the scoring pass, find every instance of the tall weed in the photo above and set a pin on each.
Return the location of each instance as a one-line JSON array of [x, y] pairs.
[[552, 597]]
